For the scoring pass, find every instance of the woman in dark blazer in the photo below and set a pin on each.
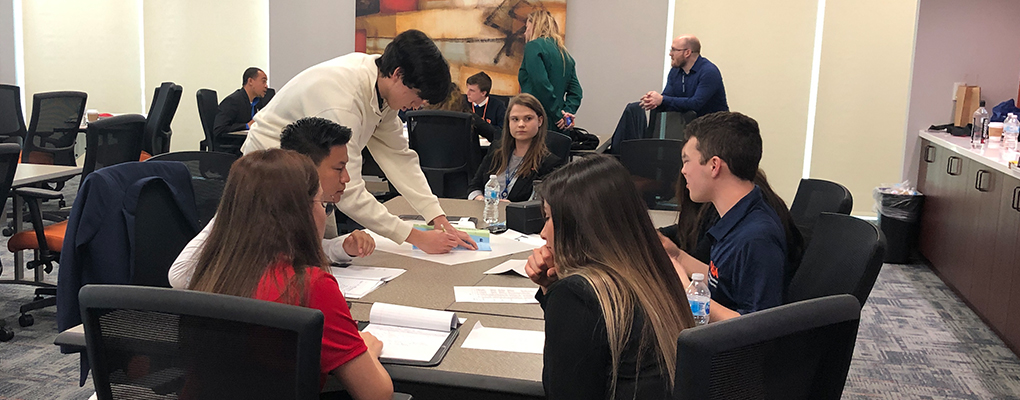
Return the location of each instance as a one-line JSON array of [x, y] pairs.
[[521, 155]]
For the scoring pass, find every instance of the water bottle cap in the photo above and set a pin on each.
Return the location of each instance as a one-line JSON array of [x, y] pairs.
[[698, 276]]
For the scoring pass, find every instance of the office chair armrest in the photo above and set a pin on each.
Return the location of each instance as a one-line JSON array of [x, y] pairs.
[[37, 193]]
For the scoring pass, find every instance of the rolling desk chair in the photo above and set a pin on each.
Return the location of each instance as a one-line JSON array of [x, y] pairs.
[[815, 196], [9, 153], [797, 351], [209, 172], [559, 145], [111, 141], [653, 165], [208, 106], [161, 114], [12, 120], [447, 150], [844, 257]]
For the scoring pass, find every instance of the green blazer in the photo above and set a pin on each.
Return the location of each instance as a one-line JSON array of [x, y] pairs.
[[549, 75]]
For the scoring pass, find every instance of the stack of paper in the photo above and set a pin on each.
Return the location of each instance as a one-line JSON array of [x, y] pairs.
[[411, 333], [499, 339], [356, 282], [491, 294]]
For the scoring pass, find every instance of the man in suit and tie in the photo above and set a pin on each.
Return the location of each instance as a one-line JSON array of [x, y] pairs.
[[237, 111], [489, 109]]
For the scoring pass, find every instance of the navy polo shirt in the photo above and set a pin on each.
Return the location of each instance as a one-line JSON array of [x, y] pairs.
[[748, 256], [700, 91]]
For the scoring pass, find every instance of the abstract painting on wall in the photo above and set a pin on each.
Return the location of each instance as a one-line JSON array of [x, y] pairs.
[[474, 35]]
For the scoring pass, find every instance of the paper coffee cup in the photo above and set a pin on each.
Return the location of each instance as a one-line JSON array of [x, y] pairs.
[[93, 115], [995, 130]]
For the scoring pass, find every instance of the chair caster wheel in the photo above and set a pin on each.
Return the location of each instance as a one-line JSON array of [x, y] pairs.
[[8, 232], [6, 334], [26, 320]]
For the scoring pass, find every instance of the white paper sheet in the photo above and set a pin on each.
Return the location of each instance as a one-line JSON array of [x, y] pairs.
[[492, 294], [407, 343], [357, 288], [499, 339], [517, 266], [367, 273], [412, 317], [532, 239], [502, 245]]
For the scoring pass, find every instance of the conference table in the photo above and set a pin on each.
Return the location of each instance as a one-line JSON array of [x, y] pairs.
[[29, 174], [463, 372]]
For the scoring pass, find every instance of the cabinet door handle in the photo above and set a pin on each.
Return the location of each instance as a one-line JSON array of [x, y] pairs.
[[977, 181], [929, 153], [949, 166], [1016, 196]]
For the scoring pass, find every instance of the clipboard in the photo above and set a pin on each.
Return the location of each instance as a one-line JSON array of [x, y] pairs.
[[436, 359]]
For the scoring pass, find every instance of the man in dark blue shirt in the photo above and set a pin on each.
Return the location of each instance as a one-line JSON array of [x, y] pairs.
[[694, 84], [748, 253]]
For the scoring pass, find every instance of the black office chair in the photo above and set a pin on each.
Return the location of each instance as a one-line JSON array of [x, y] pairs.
[[844, 257], [209, 172], [653, 165], [196, 344], [12, 120], [161, 230], [559, 145], [161, 114], [668, 124], [815, 196], [208, 106], [791, 352], [270, 93], [447, 150], [113, 141], [53, 128], [9, 153]]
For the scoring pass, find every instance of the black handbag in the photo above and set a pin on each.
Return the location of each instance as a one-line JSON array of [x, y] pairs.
[[582, 140]]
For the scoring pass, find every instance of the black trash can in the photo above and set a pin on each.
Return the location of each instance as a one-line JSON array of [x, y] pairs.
[[899, 217]]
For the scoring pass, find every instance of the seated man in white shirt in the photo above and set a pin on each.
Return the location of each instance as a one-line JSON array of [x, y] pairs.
[[325, 142]]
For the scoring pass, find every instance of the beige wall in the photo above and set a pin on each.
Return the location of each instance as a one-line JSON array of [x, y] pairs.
[[763, 50], [76, 45], [202, 44], [863, 93]]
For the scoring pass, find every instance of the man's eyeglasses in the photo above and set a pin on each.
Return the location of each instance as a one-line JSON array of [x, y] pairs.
[[672, 50]]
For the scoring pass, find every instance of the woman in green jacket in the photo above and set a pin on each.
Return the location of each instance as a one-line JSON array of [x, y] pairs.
[[547, 71]]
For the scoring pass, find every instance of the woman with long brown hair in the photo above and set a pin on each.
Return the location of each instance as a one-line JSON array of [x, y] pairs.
[[520, 157], [266, 245], [614, 306], [547, 70]]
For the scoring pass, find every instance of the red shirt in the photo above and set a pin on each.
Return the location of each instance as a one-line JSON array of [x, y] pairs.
[[341, 341]]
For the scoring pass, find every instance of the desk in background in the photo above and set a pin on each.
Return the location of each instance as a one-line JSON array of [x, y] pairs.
[[29, 174]]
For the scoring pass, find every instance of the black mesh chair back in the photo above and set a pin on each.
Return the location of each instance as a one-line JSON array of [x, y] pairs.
[[795, 351], [12, 120], [270, 92], [9, 154], [53, 128], [653, 165], [208, 106], [209, 172], [844, 257], [161, 231], [815, 196], [448, 150], [161, 114], [157, 343], [668, 124], [112, 141], [559, 145]]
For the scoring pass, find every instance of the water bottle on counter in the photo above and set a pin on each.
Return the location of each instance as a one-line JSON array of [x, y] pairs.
[[1010, 130], [699, 297], [491, 213], [979, 128]]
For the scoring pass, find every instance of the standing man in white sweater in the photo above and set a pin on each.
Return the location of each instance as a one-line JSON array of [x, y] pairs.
[[364, 93]]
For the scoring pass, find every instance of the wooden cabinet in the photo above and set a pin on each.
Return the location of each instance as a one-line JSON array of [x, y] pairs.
[[969, 234]]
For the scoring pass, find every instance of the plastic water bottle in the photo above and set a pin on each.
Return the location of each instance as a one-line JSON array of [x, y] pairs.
[[699, 297], [491, 213], [979, 128], [1010, 130]]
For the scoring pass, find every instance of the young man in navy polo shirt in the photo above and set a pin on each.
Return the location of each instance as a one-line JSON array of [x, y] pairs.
[[748, 252]]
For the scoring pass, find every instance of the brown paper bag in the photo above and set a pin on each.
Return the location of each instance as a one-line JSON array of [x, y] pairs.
[[968, 99]]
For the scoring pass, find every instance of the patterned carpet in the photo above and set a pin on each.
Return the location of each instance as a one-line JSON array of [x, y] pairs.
[[917, 340]]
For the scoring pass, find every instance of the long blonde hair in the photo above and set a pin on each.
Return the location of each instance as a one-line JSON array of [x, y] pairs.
[[536, 151], [544, 25], [264, 217], [602, 232]]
